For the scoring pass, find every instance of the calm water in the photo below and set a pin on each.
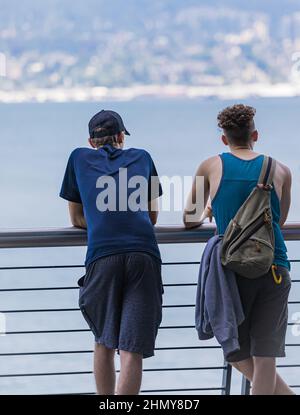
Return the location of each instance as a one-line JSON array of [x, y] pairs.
[[35, 143]]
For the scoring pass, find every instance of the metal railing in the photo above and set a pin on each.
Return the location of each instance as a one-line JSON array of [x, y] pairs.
[[71, 237]]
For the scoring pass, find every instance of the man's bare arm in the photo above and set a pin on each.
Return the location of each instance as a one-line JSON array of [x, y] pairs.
[[190, 210], [77, 215], [153, 210], [285, 201]]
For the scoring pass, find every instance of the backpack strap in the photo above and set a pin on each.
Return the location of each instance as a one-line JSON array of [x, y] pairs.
[[267, 171]]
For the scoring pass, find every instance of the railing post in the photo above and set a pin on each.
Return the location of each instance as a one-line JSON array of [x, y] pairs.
[[245, 386], [226, 383]]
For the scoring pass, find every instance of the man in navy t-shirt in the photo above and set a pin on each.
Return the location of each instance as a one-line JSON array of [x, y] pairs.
[[113, 193]]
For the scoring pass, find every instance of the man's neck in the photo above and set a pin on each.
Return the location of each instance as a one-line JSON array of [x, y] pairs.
[[243, 151], [117, 146]]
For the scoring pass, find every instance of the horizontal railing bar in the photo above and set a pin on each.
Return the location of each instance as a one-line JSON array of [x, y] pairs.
[[182, 390], [188, 284], [42, 310], [92, 351], [84, 393], [57, 352], [49, 310], [150, 391], [20, 268], [292, 345], [9, 375], [47, 331], [147, 391], [55, 237], [28, 267], [46, 353], [182, 263], [167, 369], [66, 393], [19, 375], [83, 330], [37, 289], [86, 330], [185, 284]]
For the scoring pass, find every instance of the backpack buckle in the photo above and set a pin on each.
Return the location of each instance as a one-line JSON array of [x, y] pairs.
[[267, 187], [277, 278], [267, 217]]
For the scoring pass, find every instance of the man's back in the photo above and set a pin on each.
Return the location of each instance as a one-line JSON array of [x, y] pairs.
[[232, 186], [105, 191], [214, 169]]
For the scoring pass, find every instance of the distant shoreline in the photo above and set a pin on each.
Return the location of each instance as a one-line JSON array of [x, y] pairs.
[[82, 94]]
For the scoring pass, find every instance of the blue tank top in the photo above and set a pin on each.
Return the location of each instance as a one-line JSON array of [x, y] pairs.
[[239, 177]]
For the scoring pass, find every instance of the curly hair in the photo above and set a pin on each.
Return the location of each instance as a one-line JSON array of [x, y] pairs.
[[237, 123]]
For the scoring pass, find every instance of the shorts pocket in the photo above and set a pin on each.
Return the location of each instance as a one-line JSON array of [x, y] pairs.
[[80, 282], [89, 320]]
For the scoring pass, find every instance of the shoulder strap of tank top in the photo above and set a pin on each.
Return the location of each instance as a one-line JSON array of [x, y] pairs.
[[267, 171]]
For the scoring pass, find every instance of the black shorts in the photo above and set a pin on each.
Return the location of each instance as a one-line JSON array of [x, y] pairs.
[[120, 297], [265, 306]]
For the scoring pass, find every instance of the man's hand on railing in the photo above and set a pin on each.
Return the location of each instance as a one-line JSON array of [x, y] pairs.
[[207, 213]]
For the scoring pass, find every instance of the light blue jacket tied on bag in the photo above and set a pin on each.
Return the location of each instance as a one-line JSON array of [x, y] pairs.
[[219, 310]]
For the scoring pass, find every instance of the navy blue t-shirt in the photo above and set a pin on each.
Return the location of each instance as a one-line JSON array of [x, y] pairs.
[[117, 230]]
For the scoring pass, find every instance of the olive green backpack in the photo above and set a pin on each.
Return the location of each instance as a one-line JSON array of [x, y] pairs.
[[248, 242]]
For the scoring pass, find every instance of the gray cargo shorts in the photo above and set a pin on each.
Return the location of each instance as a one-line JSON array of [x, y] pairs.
[[265, 304], [120, 298]]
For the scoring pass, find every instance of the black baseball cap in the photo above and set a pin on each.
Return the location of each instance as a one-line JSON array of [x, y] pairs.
[[110, 121]]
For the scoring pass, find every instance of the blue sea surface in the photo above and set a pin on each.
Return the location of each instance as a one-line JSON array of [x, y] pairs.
[[36, 140]]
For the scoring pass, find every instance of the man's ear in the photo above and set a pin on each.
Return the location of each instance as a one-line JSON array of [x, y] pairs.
[[91, 142], [254, 135], [225, 140], [121, 138]]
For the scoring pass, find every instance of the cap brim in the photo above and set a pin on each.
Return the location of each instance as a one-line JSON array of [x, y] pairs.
[[126, 132]]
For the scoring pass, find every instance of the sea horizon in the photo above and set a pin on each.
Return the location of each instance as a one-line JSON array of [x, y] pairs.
[[153, 91]]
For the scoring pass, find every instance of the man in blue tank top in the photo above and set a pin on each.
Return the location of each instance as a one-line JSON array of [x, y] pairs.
[[113, 193], [228, 180]]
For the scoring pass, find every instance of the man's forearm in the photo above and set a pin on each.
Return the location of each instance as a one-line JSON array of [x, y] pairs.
[[77, 215]]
